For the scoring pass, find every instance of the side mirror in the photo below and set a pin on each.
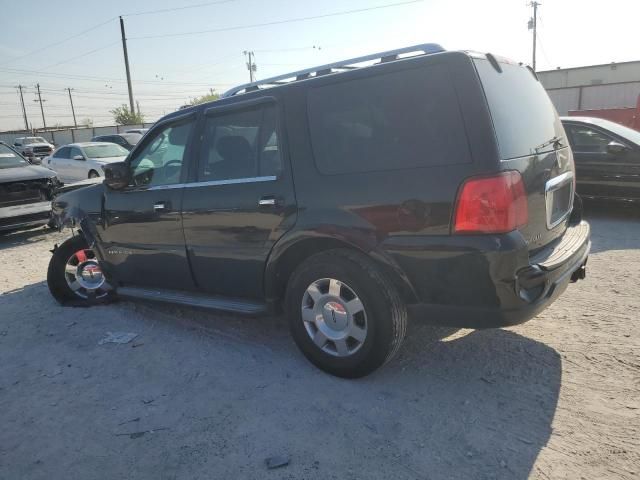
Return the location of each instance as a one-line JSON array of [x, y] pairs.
[[616, 148], [78, 157], [116, 175]]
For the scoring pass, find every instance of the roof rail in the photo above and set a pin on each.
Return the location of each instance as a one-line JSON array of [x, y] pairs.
[[423, 49]]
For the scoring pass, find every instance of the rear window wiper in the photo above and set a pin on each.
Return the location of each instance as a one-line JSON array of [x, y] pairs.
[[556, 141]]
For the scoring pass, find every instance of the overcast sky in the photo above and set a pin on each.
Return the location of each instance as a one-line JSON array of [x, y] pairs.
[[168, 70]]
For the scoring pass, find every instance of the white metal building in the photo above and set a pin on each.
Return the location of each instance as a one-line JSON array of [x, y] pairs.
[[613, 85]]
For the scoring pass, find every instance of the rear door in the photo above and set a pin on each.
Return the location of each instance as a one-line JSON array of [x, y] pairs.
[[242, 199], [531, 140]]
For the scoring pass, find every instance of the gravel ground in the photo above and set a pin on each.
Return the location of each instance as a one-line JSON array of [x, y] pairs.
[[198, 395]]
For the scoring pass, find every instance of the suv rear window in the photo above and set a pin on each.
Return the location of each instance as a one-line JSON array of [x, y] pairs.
[[523, 116], [404, 119]]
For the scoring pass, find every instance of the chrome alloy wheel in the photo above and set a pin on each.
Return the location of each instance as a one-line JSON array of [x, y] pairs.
[[84, 275], [334, 317]]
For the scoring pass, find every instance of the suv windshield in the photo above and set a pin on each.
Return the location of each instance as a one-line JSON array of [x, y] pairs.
[[10, 159], [105, 151], [524, 119], [30, 140]]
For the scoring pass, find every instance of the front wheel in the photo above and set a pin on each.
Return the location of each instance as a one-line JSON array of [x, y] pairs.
[[93, 174], [344, 315], [75, 276]]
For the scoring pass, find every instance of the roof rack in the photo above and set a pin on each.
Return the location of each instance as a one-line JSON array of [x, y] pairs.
[[423, 49]]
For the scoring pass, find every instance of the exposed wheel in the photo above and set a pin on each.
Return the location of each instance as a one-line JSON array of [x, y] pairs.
[[75, 276], [93, 174], [344, 315]]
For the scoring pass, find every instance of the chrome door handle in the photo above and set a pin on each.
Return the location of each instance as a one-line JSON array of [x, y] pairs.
[[267, 202]]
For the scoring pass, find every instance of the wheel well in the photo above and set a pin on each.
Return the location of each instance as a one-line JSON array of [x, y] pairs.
[[299, 252], [93, 171]]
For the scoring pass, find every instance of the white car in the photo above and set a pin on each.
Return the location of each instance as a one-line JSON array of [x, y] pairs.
[[79, 161]]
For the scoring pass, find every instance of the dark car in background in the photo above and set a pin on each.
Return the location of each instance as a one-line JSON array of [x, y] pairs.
[[607, 158], [418, 182], [26, 191], [125, 140]]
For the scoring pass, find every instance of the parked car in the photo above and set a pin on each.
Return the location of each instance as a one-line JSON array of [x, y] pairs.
[[607, 157], [26, 191], [431, 184], [125, 140], [140, 131], [78, 161], [34, 148]]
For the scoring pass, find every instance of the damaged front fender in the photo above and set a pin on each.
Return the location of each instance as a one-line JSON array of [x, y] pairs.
[[81, 209]]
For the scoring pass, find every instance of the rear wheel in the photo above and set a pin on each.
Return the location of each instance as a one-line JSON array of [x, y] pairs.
[[344, 315], [75, 276]]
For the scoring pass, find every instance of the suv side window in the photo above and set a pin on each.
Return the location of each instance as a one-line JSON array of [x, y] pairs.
[[63, 153], [160, 162], [240, 144], [405, 119], [588, 140]]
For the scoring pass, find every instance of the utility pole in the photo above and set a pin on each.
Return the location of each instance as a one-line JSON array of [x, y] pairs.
[[44, 123], [138, 107], [126, 64], [251, 64], [533, 25], [24, 110], [72, 109]]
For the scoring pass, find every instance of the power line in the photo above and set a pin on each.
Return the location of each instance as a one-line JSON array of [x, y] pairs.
[[164, 10], [59, 42], [103, 79], [278, 22], [81, 55]]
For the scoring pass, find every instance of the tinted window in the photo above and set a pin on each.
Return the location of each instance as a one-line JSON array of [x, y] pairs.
[[241, 144], [63, 152], [523, 116], [161, 160], [587, 140], [399, 120], [74, 152]]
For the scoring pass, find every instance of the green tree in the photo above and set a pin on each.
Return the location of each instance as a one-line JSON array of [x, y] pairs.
[[209, 97], [123, 116]]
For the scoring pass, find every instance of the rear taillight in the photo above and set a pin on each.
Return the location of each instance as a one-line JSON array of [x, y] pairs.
[[496, 204]]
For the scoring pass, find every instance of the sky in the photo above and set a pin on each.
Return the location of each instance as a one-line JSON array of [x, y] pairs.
[[179, 49]]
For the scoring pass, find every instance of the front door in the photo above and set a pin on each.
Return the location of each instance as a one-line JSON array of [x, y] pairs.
[[142, 225], [242, 199], [59, 163], [600, 173]]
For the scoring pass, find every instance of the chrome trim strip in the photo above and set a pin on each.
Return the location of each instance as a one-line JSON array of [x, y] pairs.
[[212, 183], [551, 186], [25, 209]]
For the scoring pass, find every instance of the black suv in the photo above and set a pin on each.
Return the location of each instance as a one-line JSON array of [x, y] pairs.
[[418, 182]]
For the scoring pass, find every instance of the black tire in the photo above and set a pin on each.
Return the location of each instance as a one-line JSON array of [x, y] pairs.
[[93, 174], [56, 274], [385, 311]]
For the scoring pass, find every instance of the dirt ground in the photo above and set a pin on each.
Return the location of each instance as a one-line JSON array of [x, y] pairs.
[[199, 395]]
